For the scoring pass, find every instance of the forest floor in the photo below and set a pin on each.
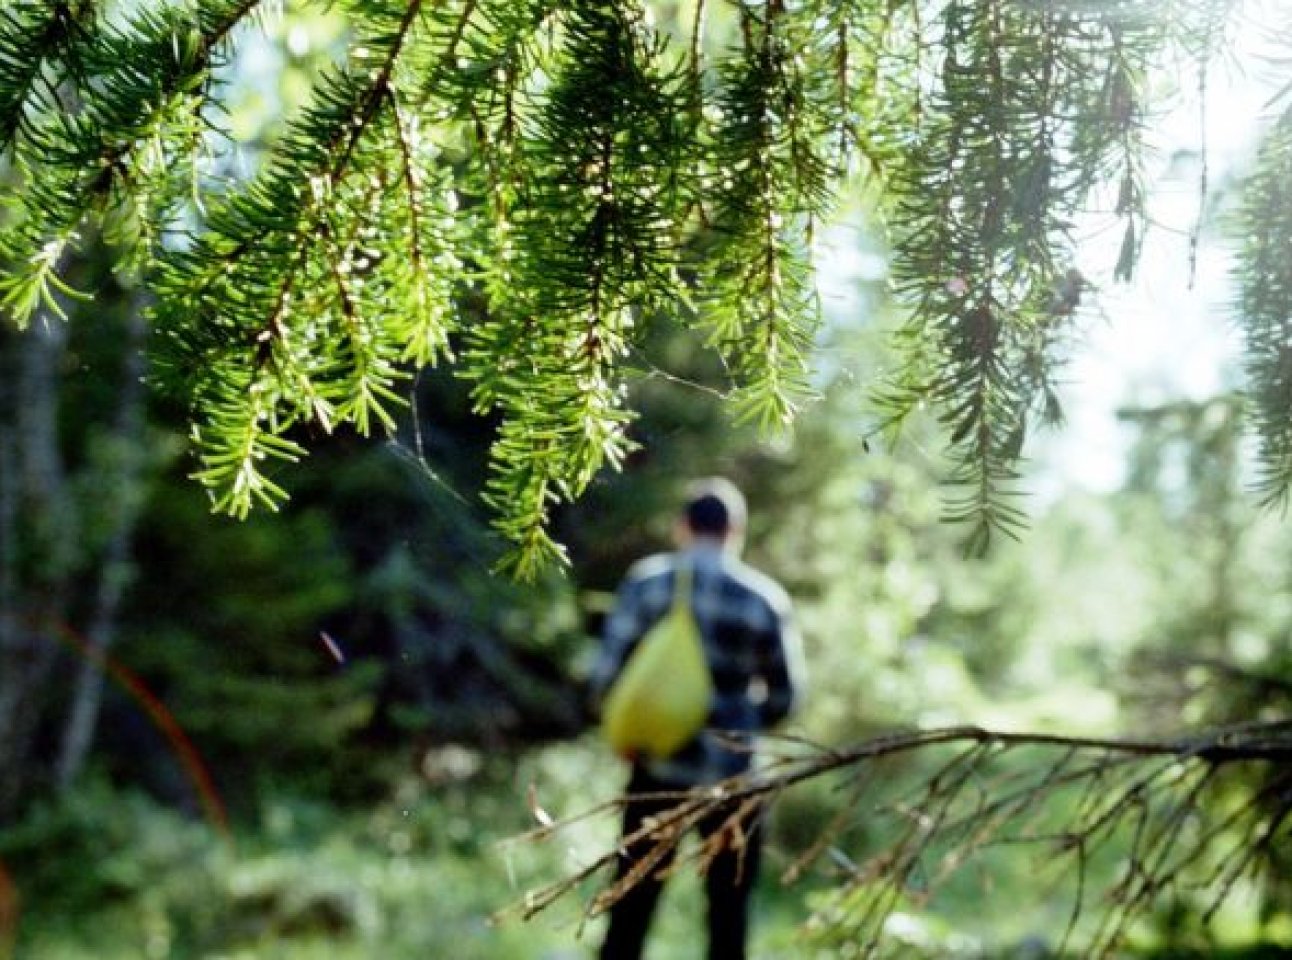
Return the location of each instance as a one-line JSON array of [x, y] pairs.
[[427, 872]]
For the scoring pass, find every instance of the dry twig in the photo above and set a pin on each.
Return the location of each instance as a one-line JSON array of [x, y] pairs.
[[1150, 808]]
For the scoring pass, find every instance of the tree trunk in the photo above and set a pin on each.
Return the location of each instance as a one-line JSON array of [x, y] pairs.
[[10, 642], [120, 483], [38, 550]]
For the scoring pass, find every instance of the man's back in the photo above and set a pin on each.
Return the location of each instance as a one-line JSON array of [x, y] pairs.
[[749, 643], [751, 648]]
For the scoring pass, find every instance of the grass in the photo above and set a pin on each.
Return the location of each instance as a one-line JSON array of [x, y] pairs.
[[109, 874]]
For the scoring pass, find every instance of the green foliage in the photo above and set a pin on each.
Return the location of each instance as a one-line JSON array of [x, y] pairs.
[[226, 623], [1265, 299], [1033, 108], [228, 633], [596, 229], [106, 119], [427, 869], [531, 183], [770, 178], [244, 304], [126, 834], [111, 875], [563, 204]]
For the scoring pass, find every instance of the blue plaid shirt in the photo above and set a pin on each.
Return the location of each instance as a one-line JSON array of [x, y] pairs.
[[750, 641]]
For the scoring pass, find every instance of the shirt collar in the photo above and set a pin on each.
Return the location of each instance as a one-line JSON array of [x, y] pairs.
[[707, 551]]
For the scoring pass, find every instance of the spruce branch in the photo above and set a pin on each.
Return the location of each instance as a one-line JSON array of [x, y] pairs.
[[770, 178], [595, 241], [1264, 306], [139, 90], [33, 37], [279, 268], [573, 174], [984, 200]]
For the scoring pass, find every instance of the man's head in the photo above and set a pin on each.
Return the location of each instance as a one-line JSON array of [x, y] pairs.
[[715, 510]]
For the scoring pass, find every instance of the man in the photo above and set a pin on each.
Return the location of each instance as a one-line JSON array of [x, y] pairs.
[[751, 648]]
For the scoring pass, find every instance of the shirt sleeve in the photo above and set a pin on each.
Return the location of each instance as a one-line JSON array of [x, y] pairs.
[[780, 665], [622, 629]]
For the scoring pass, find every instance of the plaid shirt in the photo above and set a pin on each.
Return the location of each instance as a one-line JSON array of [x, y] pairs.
[[750, 642]]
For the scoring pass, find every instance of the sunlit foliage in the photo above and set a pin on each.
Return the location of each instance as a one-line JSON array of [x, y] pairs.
[[516, 189]]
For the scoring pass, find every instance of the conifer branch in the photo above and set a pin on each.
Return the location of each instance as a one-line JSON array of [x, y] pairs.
[[140, 90], [769, 182], [985, 199], [1264, 275], [560, 168], [235, 287], [32, 35], [595, 242]]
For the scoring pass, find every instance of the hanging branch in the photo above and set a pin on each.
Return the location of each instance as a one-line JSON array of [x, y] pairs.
[[272, 275], [1072, 799], [1008, 153], [1264, 275], [120, 140], [769, 178], [571, 175], [595, 242]]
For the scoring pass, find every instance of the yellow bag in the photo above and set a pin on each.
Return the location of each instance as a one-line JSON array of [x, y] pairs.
[[661, 698]]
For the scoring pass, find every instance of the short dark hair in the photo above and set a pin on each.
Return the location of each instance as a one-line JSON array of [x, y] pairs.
[[714, 507]]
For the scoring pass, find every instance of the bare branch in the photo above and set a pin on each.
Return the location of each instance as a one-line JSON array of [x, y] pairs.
[[1148, 803]]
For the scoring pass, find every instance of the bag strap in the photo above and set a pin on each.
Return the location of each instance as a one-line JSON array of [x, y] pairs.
[[682, 578]]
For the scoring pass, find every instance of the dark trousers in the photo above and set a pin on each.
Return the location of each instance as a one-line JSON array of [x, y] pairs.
[[728, 882]]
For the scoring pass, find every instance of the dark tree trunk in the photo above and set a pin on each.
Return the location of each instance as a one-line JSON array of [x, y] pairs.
[[121, 484], [37, 527], [64, 564]]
